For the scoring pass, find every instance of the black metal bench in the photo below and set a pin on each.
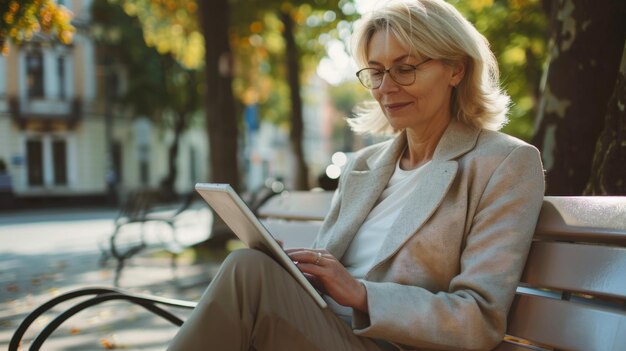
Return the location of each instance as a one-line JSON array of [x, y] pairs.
[[140, 209], [99, 295]]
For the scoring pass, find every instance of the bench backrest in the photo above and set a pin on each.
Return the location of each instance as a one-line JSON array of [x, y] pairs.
[[295, 217], [572, 294], [298, 205]]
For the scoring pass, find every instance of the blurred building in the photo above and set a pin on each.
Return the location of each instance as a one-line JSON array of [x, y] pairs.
[[320, 121], [266, 148], [64, 140]]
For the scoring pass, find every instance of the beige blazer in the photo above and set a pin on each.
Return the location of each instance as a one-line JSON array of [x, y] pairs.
[[446, 273]]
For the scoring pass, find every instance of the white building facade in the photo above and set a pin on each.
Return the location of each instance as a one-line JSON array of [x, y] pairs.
[[54, 131]]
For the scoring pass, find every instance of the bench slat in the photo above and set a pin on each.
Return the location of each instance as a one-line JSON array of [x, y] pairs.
[[298, 205], [580, 218], [295, 217], [592, 269], [293, 233], [567, 325]]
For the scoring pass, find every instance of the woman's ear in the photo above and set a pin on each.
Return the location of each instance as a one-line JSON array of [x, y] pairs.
[[458, 72]]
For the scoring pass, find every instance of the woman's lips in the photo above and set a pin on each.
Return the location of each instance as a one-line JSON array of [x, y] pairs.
[[396, 106]]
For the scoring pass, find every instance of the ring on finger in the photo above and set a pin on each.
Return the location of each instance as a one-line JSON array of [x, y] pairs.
[[319, 257]]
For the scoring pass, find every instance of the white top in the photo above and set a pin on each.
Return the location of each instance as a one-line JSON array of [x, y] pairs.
[[363, 250]]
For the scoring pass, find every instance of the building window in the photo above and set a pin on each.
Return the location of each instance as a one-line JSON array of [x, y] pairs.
[[61, 73], [47, 161], [144, 164], [34, 157], [117, 161], [34, 74], [59, 162], [3, 83], [192, 165]]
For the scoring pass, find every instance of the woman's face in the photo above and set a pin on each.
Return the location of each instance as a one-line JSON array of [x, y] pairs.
[[421, 106]]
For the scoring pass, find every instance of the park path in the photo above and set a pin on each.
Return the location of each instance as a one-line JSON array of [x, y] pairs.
[[48, 252]]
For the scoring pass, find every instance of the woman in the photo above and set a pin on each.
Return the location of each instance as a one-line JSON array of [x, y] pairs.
[[427, 233]]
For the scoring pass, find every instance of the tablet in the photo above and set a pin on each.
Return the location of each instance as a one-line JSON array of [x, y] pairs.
[[233, 210]]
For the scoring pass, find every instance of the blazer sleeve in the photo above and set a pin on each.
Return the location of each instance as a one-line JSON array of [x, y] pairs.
[[472, 314]]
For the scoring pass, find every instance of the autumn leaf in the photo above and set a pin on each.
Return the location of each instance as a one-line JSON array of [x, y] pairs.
[[13, 288], [107, 344]]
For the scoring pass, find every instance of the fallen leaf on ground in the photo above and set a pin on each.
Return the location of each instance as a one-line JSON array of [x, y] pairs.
[[105, 273], [109, 345]]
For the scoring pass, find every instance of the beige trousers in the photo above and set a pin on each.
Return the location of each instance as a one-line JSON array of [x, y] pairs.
[[254, 304]]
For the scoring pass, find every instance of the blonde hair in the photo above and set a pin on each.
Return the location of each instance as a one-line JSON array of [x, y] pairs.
[[435, 29]]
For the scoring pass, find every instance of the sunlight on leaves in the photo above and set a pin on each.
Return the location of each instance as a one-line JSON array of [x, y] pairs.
[[514, 56], [20, 20], [178, 34], [479, 5], [516, 30]]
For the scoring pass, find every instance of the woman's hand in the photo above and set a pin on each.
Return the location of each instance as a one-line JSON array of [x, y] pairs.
[[327, 274]]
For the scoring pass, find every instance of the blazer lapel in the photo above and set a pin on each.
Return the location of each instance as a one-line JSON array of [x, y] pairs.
[[369, 177], [429, 192], [365, 183], [434, 183]]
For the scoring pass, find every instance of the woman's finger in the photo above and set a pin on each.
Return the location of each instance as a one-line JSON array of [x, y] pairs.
[[315, 257]]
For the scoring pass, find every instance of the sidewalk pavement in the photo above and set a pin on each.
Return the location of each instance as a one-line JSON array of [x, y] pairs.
[[47, 253]]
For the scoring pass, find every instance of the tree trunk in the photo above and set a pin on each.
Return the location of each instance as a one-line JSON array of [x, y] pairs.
[[301, 173], [220, 106], [608, 175], [188, 99], [587, 38], [170, 180]]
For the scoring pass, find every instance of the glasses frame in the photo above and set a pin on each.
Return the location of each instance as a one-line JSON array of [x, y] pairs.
[[388, 70]]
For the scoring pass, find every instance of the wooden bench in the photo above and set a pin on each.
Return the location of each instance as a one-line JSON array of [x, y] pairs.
[[572, 295], [295, 218]]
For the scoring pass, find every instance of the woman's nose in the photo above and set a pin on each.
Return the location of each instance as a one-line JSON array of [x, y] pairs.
[[388, 84]]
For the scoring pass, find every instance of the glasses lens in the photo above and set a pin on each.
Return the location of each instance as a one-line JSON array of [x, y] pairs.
[[372, 78], [368, 77], [403, 74]]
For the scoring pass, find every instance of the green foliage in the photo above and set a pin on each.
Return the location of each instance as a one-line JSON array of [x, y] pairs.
[[347, 95], [257, 40], [517, 31], [19, 20], [158, 83], [170, 26]]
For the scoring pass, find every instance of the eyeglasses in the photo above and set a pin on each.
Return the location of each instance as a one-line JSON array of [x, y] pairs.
[[403, 74]]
